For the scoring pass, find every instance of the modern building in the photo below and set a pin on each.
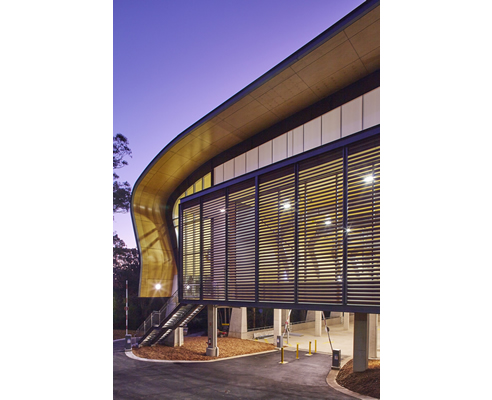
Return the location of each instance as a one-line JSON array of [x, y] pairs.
[[272, 199]]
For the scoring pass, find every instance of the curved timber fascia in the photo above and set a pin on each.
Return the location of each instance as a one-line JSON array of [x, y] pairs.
[[341, 55]]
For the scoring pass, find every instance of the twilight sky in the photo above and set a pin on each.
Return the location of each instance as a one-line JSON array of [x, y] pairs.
[[175, 61]]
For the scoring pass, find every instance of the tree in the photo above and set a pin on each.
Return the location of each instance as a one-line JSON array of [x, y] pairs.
[[120, 150], [121, 197], [126, 263], [121, 190], [126, 267]]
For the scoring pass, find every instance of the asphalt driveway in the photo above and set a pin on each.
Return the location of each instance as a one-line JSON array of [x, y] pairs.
[[253, 377]]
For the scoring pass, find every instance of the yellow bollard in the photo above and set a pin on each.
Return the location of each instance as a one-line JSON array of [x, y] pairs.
[[282, 357], [309, 350], [297, 352]]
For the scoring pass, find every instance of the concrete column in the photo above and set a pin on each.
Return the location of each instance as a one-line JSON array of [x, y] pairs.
[[212, 349], [277, 323], [346, 321], [373, 335], [175, 339], [318, 323], [361, 342], [238, 327]]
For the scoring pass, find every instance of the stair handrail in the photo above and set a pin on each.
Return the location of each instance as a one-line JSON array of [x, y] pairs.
[[170, 305], [156, 317]]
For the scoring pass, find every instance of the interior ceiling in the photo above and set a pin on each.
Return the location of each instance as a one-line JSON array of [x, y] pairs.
[[342, 57]]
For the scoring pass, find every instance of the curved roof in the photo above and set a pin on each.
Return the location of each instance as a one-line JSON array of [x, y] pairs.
[[343, 54]]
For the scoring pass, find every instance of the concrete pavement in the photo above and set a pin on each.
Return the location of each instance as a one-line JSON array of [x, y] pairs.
[[341, 339]]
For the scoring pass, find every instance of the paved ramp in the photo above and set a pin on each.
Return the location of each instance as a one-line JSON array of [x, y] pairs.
[[253, 377]]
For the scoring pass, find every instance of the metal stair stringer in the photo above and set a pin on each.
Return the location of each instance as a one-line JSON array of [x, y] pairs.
[[179, 317], [149, 337]]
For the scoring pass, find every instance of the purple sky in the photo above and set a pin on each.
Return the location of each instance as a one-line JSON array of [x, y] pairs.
[[175, 61]]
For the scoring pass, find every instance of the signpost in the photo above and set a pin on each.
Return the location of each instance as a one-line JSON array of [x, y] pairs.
[[128, 338]]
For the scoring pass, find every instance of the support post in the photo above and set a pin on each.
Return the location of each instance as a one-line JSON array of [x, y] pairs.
[[175, 339], [317, 323], [212, 349], [238, 327], [373, 335], [277, 322], [361, 342], [346, 321]]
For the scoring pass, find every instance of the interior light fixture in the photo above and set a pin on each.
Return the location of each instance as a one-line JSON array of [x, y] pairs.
[[348, 230], [286, 206], [369, 178], [328, 221], [222, 210], [158, 286]]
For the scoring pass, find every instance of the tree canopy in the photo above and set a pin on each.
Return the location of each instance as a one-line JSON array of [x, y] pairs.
[[120, 150], [121, 190], [126, 266]]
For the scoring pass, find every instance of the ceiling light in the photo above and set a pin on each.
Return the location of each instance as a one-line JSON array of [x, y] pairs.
[[327, 221], [286, 206], [222, 210], [369, 179], [158, 286]]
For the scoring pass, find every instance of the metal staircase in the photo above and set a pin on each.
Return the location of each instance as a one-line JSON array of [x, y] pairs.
[[160, 324]]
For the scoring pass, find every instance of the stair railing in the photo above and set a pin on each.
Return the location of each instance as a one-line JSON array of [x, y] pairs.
[[155, 317]]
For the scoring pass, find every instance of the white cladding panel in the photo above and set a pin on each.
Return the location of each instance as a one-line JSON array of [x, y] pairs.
[[265, 154], [360, 113], [229, 170], [371, 109], [219, 174], [290, 143], [312, 134], [280, 147], [330, 126], [352, 116], [240, 165], [252, 160], [298, 146]]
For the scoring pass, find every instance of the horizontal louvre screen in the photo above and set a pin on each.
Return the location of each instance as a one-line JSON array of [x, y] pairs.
[[266, 240], [191, 252], [320, 226], [276, 237], [214, 248], [363, 223], [241, 242]]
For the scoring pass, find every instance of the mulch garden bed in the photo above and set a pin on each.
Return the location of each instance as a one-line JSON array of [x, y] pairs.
[[366, 382], [194, 349]]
